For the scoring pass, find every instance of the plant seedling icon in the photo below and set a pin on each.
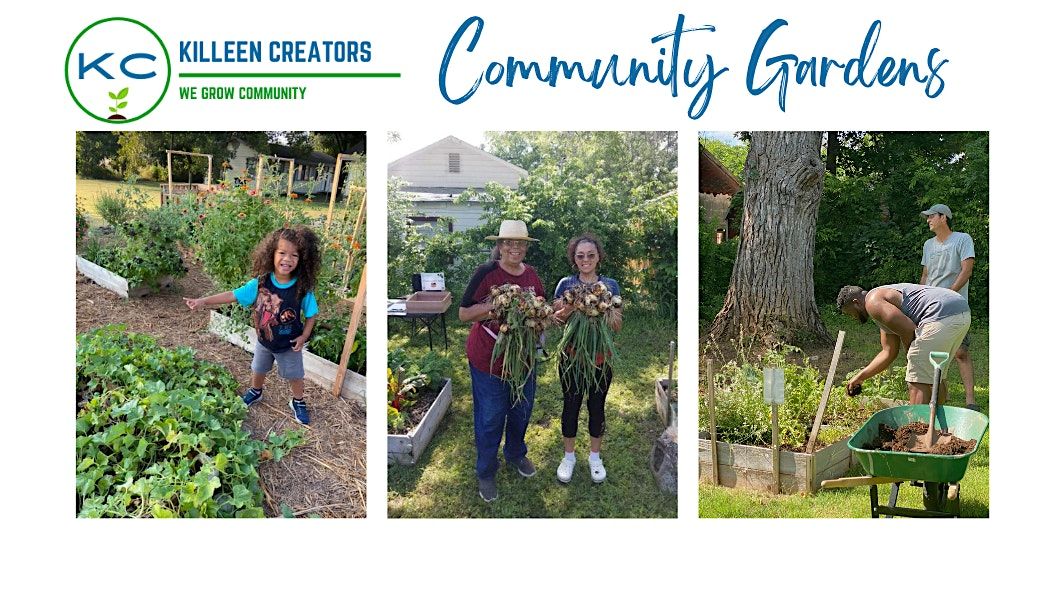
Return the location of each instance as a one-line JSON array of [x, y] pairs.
[[119, 102]]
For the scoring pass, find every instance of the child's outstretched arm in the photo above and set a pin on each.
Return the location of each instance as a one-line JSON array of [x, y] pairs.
[[308, 329], [216, 300]]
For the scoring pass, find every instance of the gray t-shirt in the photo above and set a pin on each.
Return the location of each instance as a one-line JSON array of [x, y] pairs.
[[926, 304], [943, 262]]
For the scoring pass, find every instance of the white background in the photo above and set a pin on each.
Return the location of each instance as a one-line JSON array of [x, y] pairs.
[[993, 82]]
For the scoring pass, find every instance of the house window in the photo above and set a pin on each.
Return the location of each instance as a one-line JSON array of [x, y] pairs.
[[428, 225], [453, 162]]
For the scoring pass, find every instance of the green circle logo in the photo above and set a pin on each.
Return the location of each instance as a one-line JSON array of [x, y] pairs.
[[117, 70]]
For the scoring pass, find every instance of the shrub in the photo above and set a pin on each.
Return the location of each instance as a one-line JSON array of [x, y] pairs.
[[233, 223], [744, 418]]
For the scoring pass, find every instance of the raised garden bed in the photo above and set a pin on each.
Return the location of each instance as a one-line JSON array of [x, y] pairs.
[[117, 284], [405, 449], [318, 370], [666, 406], [751, 467]]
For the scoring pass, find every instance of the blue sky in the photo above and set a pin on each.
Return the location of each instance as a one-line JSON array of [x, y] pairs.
[[722, 136]]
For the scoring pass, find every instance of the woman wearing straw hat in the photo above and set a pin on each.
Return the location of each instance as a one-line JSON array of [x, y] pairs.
[[495, 414]]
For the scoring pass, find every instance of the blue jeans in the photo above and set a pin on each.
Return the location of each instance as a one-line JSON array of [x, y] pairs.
[[494, 414]]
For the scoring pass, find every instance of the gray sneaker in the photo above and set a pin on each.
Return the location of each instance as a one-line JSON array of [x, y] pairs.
[[524, 466], [487, 489]]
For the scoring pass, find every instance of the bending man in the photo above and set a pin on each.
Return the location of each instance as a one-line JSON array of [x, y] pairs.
[[921, 318]]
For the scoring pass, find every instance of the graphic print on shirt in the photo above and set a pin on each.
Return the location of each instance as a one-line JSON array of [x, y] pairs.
[[267, 307]]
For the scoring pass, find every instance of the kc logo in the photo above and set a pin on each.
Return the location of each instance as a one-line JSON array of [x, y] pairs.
[[117, 70]]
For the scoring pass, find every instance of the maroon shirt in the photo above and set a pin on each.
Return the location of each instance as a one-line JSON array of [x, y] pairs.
[[479, 342]]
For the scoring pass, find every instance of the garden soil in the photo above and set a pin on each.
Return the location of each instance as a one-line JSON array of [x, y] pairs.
[[323, 477], [910, 438]]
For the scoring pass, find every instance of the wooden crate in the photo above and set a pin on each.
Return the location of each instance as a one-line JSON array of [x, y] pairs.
[[751, 467], [318, 370], [115, 283], [667, 410], [407, 448], [428, 302]]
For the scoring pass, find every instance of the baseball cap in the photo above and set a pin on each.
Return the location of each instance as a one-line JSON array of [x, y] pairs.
[[939, 209]]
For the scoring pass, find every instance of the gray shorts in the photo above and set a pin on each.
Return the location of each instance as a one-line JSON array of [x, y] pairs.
[[289, 362]]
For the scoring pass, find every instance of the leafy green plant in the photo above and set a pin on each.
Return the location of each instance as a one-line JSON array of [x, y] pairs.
[[328, 338], [233, 223], [159, 433], [82, 222], [744, 418], [406, 379]]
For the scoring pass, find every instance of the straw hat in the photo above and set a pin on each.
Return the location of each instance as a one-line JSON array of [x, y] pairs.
[[512, 230]]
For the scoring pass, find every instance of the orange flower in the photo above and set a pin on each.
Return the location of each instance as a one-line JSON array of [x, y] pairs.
[[294, 195], [241, 216], [357, 246], [308, 199], [251, 193]]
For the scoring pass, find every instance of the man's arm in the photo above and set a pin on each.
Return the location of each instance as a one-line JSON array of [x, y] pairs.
[[922, 280], [893, 319], [964, 275], [882, 361]]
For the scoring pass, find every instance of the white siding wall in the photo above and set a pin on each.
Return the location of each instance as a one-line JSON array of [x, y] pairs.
[[430, 168], [467, 216]]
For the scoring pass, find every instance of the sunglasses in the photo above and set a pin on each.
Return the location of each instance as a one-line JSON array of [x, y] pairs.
[[514, 243]]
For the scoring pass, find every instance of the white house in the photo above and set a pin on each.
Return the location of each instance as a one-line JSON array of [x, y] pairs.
[[435, 175], [313, 173]]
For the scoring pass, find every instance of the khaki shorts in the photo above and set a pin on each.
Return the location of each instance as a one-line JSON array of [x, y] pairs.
[[945, 335]]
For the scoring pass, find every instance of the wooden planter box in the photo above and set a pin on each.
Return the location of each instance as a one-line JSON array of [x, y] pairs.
[[751, 467], [115, 283], [405, 449], [318, 370], [428, 302], [667, 409]]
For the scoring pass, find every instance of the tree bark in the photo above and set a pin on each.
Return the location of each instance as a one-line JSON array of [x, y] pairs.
[[770, 294]]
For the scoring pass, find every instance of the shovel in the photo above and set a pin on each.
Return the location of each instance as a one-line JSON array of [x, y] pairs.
[[937, 359]]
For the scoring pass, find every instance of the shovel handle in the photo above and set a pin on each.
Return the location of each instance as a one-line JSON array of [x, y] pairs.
[[937, 359]]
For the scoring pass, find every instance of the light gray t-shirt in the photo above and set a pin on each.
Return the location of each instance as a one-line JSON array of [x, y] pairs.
[[943, 262], [926, 304]]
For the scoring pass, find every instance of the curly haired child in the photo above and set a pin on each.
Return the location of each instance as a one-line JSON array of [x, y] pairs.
[[285, 266]]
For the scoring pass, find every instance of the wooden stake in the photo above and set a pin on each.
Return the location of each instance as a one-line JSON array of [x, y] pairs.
[[711, 419], [335, 186], [827, 392], [670, 365], [170, 182], [291, 169], [776, 452], [351, 332], [353, 240], [258, 172]]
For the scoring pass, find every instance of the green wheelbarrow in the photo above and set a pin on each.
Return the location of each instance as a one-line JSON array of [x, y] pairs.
[[938, 475]]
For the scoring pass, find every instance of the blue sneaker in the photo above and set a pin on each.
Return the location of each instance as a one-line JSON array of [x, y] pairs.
[[251, 396], [299, 411]]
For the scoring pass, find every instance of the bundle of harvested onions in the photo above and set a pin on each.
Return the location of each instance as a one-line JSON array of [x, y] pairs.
[[587, 342], [523, 316]]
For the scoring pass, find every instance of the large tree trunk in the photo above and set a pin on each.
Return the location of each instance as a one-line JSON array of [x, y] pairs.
[[771, 291]]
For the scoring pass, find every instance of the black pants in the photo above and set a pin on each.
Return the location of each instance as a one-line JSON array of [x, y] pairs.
[[573, 396]]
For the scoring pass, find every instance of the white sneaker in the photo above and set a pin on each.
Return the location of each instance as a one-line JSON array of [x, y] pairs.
[[597, 470], [565, 469]]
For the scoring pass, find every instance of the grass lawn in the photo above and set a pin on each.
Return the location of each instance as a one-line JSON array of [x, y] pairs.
[[861, 344], [90, 190], [443, 483]]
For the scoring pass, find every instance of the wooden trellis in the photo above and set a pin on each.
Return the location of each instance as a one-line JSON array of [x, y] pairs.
[[259, 168], [359, 299], [207, 180]]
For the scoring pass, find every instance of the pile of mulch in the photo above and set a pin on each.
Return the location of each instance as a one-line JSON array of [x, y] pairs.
[[323, 477], [908, 438]]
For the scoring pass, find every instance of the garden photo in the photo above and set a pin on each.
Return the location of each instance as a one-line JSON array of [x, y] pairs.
[[844, 336], [220, 348], [532, 302]]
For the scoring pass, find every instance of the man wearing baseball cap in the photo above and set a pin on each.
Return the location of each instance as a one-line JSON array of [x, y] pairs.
[[947, 262]]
